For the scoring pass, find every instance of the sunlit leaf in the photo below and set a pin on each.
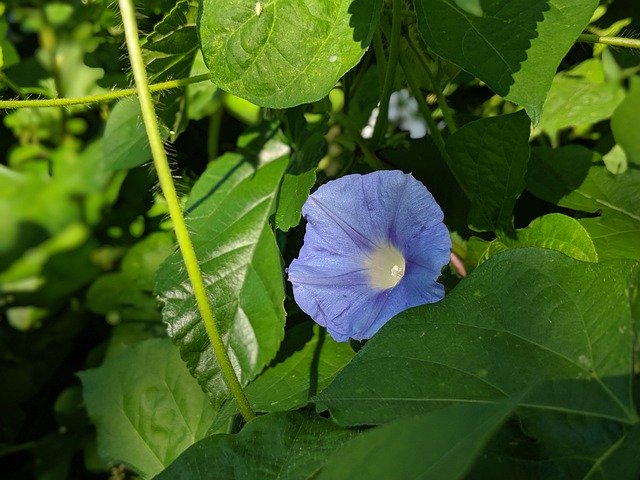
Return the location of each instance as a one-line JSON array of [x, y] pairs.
[[554, 231], [515, 46], [284, 53], [229, 211], [146, 407], [576, 178]]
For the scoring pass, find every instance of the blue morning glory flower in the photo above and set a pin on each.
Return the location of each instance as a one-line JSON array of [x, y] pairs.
[[374, 246]]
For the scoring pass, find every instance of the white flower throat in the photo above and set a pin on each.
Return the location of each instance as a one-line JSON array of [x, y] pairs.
[[385, 266]]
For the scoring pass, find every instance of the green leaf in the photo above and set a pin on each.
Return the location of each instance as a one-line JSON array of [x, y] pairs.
[[116, 296], [169, 51], [289, 445], [292, 382], [309, 148], [555, 232], [624, 121], [438, 445], [144, 258], [621, 461], [282, 53], [229, 211], [515, 46], [579, 96], [489, 160], [126, 295], [576, 178], [579, 447], [125, 140], [528, 320], [146, 407]]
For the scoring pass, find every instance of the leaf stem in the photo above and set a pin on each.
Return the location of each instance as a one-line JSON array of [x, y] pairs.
[[99, 98], [369, 156], [169, 191], [442, 101], [394, 50], [414, 86], [613, 41]]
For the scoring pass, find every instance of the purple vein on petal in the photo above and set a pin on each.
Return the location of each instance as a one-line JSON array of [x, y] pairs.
[[358, 238], [315, 279]]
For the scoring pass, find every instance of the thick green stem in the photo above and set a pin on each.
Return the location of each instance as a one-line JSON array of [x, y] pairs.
[[394, 50], [442, 101], [99, 98], [613, 41], [169, 191]]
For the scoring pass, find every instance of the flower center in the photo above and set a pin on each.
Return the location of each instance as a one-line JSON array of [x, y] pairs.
[[385, 266]]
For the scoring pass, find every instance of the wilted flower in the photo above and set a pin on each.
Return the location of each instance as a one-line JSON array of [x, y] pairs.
[[374, 246]]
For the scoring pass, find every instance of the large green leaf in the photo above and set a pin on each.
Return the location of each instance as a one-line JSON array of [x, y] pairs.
[[442, 444], [515, 46], [229, 211], [286, 52], [489, 159], [528, 320], [288, 445], [146, 407], [575, 177], [554, 231]]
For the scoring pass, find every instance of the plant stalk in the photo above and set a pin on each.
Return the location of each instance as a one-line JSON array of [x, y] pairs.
[[390, 73], [613, 41], [169, 191], [99, 98]]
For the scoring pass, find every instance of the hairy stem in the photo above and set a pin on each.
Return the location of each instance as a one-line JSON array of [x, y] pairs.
[[169, 191], [99, 98], [613, 41]]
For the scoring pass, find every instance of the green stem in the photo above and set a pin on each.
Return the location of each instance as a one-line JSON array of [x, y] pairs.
[[369, 156], [394, 50], [378, 48], [161, 164], [442, 101], [414, 86], [613, 41], [102, 97]]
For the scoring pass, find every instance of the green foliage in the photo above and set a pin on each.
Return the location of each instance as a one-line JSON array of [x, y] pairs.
[[554, 231], [489, 159], [229, 210], [440, 444], [146, 416], [576, 178], [527, 369], [281, 54], [580, 96], [514, 46], [287, 445]]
